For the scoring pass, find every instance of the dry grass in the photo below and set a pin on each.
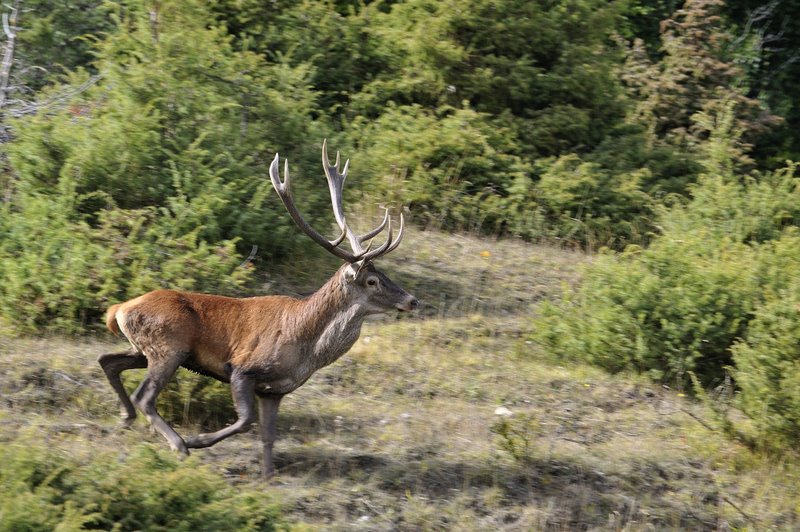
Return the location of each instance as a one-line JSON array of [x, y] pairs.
[[403, 434]]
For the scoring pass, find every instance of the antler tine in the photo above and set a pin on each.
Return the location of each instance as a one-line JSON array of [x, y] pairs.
[[399, 236], [395, 243], [336, 181], [376, 231], [340, 238], [343, 173], [284, 192], [372, 255]]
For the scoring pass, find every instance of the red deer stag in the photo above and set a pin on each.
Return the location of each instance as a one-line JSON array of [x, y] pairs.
[[263, 346]]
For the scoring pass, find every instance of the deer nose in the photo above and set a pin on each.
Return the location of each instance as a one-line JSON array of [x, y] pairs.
[[414, 304]]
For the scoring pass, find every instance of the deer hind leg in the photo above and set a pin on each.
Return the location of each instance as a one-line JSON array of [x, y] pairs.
[[243, 391], [159, 371], [115, 363]]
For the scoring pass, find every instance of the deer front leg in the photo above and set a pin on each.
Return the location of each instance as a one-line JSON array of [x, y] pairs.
[[115, 363], [268, 415], [242, 389]]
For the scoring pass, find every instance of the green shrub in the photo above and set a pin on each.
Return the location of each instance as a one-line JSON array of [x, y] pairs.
[[46, 490], [59, 273], [34, 482], [515, 435], [584, 203], [156, 132], [460, 169], [680, 304], [740, 208], [673, 308], [50, 267], [452, 167], [718, 288], [768, 357]]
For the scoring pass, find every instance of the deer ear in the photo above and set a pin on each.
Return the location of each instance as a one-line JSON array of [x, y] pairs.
[[351, 272]]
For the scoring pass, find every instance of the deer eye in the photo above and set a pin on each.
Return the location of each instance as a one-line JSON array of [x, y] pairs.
[[372, 281]]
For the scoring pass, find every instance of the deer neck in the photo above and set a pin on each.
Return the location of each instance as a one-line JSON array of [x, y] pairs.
[[334, 321]]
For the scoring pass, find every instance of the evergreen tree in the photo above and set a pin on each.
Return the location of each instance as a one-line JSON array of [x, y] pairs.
[[697, 74], [150, 176]]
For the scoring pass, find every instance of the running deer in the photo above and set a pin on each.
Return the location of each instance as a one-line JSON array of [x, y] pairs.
[[266, 346]]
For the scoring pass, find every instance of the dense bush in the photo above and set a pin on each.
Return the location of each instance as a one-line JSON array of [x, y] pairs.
[[767, 358], [44, 489], [668, 310], [59, 273], [451, 167], [449, 104], [582, 202], [173, 126], [717, 289], [152, 175]]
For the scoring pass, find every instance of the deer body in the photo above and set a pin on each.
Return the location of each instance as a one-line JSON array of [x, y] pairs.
[[280, 340], [265, 347]]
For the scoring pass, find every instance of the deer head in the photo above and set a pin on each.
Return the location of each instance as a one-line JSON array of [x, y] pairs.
[[374, 290]]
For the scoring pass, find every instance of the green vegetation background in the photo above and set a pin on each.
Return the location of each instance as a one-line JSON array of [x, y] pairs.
[[136, 137]]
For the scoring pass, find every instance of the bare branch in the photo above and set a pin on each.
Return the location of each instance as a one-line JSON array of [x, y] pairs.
[[18, 108], [9, 27]]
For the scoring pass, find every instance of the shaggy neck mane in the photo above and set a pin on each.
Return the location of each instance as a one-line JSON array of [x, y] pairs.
[[330, 320], [325, 314]]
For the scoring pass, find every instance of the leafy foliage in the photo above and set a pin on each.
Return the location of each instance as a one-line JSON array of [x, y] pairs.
[[56, 38], [768, 358], [59, 270], [407, 76], [149, 490], [452, 166], [709, 293], [674, 308], [146, 180], [172, 125], [590, 204]]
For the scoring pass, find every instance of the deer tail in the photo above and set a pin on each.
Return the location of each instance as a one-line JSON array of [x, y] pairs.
[[111, 319]]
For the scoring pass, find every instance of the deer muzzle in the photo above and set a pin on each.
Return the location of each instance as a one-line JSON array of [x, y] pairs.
[[410, 304]]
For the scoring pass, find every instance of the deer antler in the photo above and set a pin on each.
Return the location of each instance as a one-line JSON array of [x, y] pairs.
[[335, 185]]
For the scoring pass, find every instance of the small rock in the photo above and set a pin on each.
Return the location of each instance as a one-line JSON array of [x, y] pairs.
[[503, 411]]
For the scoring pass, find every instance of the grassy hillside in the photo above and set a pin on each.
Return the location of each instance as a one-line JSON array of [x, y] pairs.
[[452, 420]]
